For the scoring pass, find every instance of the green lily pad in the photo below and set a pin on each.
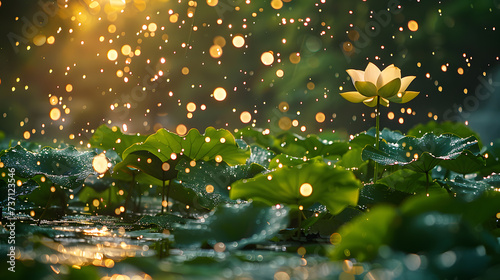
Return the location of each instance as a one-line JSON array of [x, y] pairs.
[[25, 189], [288, 160], [325, 224], [478, 211], [435, 233], [361, 140], [469, 190], [352, 159], [257, 136], [368, 137], [362, 237], [112, 138], [310, 146], [411, 182], [423, 225], [301, 185], [66, 167], [211, 180], [390, 136], [492, 159], [213, 143], [148, 163], [260, 156], [294, 144], [447, 127], [235, 225], [373, 194], [420, 154], [465, 163], [36, 190]]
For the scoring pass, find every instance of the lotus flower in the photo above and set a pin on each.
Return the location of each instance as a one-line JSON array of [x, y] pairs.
[[386, 84]]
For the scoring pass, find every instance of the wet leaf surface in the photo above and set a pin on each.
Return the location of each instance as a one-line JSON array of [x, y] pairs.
[[194, 145], [421, 154], [302, 185], [234, 225], [113, 138], [65, 167], [211, 180], [446, 127]]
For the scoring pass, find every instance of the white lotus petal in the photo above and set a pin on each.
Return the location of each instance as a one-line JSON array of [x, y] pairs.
[[372, 73], [390, 73], [405, 82], [356, 75]]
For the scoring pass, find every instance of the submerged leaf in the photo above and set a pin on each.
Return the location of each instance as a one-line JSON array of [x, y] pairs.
[[163, 221], [302, 185], [235, 225]]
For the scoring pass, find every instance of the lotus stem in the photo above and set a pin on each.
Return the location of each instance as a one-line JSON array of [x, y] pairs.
[[168, 193], [45, 209], [163, 197], [299, 224], [427, 184], [377, 135], [131, 188]]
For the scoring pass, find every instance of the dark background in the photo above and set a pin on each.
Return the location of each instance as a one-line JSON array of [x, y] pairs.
[[458, 34]]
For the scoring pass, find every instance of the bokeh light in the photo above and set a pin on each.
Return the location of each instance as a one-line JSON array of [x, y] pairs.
[[212, 3], [267, 58], [245, 117], [100, 163], [112, 54], [277, 4], [412, 25], [220, 94], [306, 189], [181, 129], [55, 114], [216, 51], [238, 41]]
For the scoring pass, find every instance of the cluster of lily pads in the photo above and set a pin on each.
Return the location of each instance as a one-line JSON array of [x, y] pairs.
[[435, 206]]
